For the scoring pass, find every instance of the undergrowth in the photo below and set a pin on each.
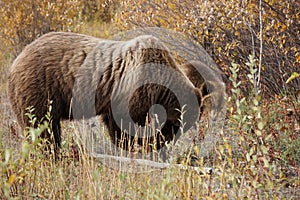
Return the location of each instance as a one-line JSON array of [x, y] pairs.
[[256, 158]]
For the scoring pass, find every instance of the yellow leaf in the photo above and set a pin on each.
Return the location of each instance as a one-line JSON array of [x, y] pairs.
[[298, 57], [11, 179]]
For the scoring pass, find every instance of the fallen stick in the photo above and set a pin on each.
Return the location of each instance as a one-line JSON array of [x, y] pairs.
[[152, 164]]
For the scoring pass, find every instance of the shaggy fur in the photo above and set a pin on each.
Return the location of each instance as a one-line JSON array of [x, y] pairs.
[[85, 76]]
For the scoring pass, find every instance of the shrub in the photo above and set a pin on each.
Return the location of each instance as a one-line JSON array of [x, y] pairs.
[[230, 31], [21, 23], [99, 10]]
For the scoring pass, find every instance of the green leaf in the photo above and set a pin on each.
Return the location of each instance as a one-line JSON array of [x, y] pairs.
[[258, 132], [255, 102], [25, 149], [248, 157], [260, 125], [264, 149], [292, 77], [7, 155], [266, 163]]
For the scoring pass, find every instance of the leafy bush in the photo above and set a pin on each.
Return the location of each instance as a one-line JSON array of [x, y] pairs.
[[99, 10], [21, 23], [230, 31], [17, 171]]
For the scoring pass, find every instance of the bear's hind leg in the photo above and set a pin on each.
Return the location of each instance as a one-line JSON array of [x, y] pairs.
[[56, 133]]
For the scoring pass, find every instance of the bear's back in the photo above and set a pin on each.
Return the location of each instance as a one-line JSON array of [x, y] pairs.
[[45, 68]]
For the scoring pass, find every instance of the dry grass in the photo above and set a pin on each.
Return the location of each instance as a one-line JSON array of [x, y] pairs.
[[27, 173]]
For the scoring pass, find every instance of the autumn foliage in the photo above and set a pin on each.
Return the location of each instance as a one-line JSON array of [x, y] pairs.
[[230, 32], [23, 22]]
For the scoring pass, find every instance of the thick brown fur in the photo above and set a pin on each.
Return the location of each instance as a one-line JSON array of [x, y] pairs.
[[58, 65]]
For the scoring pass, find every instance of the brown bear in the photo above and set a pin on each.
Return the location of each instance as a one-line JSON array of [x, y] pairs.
[[85, 76]]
